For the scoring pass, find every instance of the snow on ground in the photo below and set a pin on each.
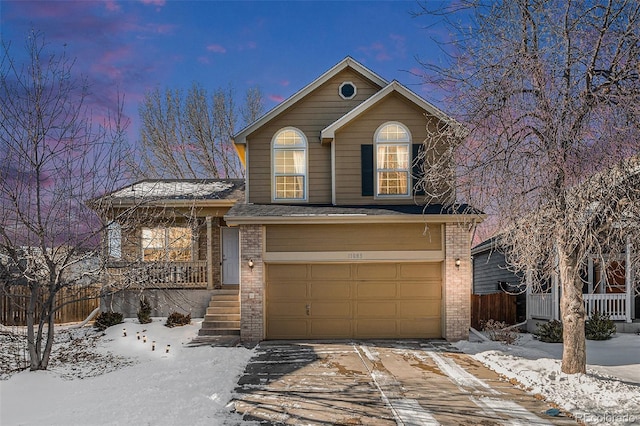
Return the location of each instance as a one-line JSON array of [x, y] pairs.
[[100, 378], [609, 394], [116, 380]]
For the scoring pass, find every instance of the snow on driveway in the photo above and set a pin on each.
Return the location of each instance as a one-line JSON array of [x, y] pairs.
[[609, 394]]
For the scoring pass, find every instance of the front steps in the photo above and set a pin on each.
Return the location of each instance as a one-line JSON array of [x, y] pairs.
[[223, 314]]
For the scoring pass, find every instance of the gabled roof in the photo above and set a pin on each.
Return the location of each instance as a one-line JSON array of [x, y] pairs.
[[328, 134], [348, 62]]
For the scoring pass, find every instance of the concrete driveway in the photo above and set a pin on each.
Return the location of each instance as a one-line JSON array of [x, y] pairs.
[[380, 383]]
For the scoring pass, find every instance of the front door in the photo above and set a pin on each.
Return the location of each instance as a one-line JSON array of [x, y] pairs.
[[230, 256]]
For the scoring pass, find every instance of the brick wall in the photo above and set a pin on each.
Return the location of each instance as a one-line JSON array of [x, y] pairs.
[[251, 284], [457, 292]]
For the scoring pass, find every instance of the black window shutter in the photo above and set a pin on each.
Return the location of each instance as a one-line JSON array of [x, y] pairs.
[[417, 171], [366, 158]]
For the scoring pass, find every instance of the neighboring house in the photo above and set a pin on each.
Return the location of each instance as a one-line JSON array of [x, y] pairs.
[[168, 241], [491, 275], [334, 241], [607, 289]]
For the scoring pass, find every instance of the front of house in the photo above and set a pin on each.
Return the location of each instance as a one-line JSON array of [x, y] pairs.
[[334, 241], [333, 238]]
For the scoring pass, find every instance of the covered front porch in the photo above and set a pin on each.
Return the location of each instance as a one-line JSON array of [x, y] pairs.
[[609, 290]]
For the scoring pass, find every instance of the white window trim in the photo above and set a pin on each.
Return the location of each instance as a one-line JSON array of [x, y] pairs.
[[409, 146], [304, 199]]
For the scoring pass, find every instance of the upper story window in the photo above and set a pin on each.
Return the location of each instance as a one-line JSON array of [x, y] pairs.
[[393, 160], [289, 165], [168, 244]]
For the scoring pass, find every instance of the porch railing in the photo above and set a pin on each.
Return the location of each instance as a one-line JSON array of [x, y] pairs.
[[612, 304], [540, 305], [191, 274]]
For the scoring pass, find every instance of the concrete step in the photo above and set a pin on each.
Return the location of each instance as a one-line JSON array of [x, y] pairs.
[[214, 325], [221, 303], [221, 317], [219, 332], [223, 310]]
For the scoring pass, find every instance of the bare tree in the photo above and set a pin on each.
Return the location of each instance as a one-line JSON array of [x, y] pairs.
[[550, 94], [53, 158], [190, 136]]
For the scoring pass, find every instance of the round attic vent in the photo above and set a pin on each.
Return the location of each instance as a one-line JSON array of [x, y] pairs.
[[347, 90]]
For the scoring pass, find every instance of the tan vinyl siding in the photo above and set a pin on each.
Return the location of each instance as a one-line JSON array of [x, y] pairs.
[[361, 131], [313, 113], [355, 237]]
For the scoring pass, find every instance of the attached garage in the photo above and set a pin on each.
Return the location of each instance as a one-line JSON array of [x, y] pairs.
[[353, 300]]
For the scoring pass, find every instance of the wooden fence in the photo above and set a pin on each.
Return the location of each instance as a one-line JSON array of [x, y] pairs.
[[14, 301], [497, 306]]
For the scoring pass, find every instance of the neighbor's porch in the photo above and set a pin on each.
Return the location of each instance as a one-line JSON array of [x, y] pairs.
[[609, 290]]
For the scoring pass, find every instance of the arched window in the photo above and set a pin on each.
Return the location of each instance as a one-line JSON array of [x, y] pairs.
[[393, 160], [289, 148]]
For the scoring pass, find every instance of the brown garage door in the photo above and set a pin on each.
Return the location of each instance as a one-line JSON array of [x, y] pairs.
[[361, 300]]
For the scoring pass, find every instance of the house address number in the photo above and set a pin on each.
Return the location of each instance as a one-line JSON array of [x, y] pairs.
[[355, 256]]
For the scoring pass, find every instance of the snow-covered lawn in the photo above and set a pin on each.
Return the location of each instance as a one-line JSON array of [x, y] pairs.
[[609, 394], [116, 380], [110, 379]]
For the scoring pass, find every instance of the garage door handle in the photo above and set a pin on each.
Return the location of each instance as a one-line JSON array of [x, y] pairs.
[[308, 310]]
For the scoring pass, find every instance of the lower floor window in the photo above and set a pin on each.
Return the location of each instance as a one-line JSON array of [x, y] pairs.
[[166, 244]]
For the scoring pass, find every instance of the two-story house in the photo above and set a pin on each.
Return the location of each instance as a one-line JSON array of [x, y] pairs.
[[334, 240]]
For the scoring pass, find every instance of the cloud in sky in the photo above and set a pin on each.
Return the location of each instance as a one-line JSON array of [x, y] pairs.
[[276, 98], [216, 48]]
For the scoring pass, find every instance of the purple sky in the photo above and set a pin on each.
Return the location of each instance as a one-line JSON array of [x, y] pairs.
[[281, 46]]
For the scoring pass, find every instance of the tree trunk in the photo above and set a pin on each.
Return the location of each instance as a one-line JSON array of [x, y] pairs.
[[574, 354]]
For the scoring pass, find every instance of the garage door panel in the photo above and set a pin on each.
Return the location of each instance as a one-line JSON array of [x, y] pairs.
[[429, 328], [287, 309], [287, 329], [332, 328], [331, 290], [287, 291], [331, 272], [287, 272], [382, 309], [376, 271], [374, 289], [376, 328], [421, 309], [421, 270], [419, 290], [330, 309]]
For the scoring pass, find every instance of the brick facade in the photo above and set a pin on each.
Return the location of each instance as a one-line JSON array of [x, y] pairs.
[[251, 284], [457, 282]]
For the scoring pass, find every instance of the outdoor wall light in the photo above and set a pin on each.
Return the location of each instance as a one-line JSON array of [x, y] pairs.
[[458, 262], [250, 263]]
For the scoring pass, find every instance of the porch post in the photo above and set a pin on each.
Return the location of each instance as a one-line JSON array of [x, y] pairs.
[[555, 293], [628, 282], [209, 252], [527, 280], [590, 274]]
